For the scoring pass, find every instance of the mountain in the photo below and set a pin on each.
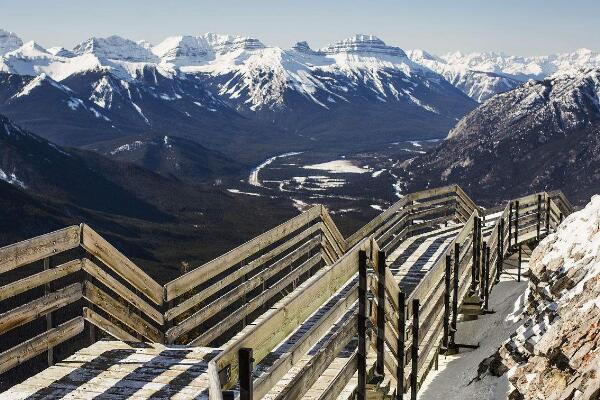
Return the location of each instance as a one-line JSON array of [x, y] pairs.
[[482, 75], [176, 157], [542, 135], [9, 42], [156, 219], [225, 92]]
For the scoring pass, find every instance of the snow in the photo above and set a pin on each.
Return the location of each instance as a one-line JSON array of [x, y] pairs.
[[377, 207], [128, 147], [9, 42], [338, 167], [253, 178], [12, 179], [454, 380], [236, 191]]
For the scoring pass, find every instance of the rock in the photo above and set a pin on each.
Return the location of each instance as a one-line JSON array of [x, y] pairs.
[[555, 354]]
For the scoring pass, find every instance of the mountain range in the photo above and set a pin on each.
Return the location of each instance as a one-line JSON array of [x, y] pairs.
[[543, 135]]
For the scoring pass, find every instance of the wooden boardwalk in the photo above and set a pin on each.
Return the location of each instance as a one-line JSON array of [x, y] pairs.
[[291, 297], [118, 370]]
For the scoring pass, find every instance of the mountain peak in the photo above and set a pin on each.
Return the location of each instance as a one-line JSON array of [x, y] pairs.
[[115, 47], [9, 42], [363, 44]]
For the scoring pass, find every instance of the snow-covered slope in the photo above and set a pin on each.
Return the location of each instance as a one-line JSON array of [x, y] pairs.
[[257, 77], [542, 135]]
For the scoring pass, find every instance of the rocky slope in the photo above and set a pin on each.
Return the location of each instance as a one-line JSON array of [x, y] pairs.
[[556, 353], [543, 135]]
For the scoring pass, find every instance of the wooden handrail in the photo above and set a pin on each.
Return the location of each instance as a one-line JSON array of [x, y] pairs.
[[113, 285]]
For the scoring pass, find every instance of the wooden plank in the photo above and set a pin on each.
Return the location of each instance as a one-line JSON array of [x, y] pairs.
[[214, 383], [107, 326], [340, 381], [239, 273], [225, 324], [367, 229], [236, 293], [280, 321], [333, 229], [123, 266], [286, 361], [102, 276], [209, 270], [39, 279], [318, 363], [40, 343], [37, 308], [121, 312], [31, 250]]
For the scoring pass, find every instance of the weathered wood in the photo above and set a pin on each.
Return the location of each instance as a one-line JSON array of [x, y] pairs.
[[237, 292], [118, 310], [447, 301], [368, 229], [39, 279], [209, 270], [128, 295], [309, 374], [239, 273], [214, 389], [37, 308], [335, 387], [107, 326], [331, 227], [362, 325], [381, 281], [287, 360], [39, 344], [225, 324], [245, 362], [281, 320], [31, 250], [124, 267], [414, 383]]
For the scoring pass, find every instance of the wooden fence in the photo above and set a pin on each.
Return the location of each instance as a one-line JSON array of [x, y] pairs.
[[56, 286]]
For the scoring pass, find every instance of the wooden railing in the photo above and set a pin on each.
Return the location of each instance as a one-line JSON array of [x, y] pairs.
[[56, 286]]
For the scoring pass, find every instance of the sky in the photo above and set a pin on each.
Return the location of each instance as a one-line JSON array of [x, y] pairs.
[[522, 27]]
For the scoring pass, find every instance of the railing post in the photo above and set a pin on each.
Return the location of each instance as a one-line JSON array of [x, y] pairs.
[[414, 373], [478, 252], [401, 345], [447, 302], [500, 249], [456, 274], [245, 368], [517, 223], [49, 316], [379, 368], [362, 326], [482, 275], [519, 264], [487, 278], [560, 218], [510, 222], [538, 226], [547, 214], [474, 258]]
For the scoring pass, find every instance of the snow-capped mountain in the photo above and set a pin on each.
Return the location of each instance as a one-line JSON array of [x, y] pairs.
[[482, 75], [193, 85], [9, 42], [542, 135]]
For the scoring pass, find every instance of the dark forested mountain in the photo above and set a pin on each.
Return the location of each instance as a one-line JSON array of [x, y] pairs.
[[159, 220], [542, 135]]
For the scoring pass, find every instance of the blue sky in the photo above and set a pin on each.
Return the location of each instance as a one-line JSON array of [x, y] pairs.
[[524, 27]]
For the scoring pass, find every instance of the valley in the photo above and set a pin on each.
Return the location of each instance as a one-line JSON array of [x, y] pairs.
[[354, 186]]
